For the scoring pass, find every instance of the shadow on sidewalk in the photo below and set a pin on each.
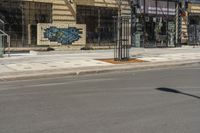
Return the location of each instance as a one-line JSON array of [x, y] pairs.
[[176, 91]]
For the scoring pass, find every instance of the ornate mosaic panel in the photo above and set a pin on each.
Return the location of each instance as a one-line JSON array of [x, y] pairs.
[[65, 36]]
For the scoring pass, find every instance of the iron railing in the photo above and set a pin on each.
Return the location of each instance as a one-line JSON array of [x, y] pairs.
[[123, 41], [4, 43]]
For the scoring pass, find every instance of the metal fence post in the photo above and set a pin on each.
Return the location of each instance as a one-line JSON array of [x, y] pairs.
[[8, 41], [1, 46]]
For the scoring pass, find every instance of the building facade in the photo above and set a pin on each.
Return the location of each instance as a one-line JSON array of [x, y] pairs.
[[79, 22], [193, 22], [59, 22], [155, 24]]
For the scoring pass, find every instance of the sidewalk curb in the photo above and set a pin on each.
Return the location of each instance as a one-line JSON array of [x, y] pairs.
[[95, 70]]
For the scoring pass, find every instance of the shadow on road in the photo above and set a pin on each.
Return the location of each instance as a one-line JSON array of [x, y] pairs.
[[176, 91]]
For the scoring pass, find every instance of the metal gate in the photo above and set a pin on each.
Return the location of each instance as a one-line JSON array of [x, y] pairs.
[[4, 43], [123, 38], [1, 45]]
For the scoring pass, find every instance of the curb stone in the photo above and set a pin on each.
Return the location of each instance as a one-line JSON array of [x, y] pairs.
[[94, 70]]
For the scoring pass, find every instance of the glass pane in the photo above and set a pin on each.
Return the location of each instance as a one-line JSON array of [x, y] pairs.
[[19, 15], [99, 22]]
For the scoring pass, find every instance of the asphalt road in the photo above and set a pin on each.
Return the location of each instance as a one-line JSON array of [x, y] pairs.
[[152, 101]]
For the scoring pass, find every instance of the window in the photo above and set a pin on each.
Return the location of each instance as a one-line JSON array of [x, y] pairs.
[[99, 22], [19, 15]]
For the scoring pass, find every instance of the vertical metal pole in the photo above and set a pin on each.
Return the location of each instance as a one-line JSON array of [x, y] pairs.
[[129, 31], [120, 39], [1, 46], [144, 14], [133, 19], [23, 24], [132, 30], [99, 26], [167, 23], [119, 29], [127, 37], [177, 21], [124, 37], [114, 38], [8, 41], [156, 22], [179, 26]]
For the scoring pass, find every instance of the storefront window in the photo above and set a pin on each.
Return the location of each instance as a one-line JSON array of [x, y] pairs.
[[18, 16], [37, 12], [157, 16], [99, 22], [194, 20]]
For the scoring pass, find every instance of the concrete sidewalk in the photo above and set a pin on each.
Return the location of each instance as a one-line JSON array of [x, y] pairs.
[[80, 62]]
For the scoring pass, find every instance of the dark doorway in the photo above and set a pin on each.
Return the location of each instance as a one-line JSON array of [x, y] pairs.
[[194, 20], [150, 34], [33, 34], [156, 17], [194, 30]]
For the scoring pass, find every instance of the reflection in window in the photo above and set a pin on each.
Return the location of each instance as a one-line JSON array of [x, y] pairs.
[[99, 22], [19, 15]]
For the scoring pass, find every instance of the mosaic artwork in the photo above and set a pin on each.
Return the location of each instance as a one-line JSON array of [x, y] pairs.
[[65, 36]]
